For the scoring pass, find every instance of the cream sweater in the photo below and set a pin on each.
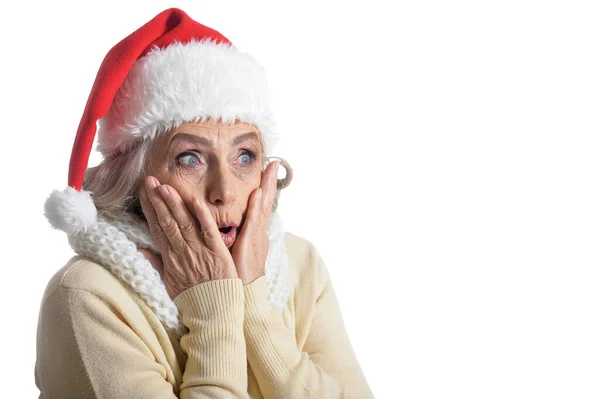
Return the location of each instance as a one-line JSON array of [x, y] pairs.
[[97, 338]]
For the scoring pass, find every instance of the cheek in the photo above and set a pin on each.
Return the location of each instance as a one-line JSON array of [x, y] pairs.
[[244, 186], [186, 188], [187, 191], [189, 185], [186, 185], [256, 178]]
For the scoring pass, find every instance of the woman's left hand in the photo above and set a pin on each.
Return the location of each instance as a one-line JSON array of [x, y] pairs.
[[250, 250]]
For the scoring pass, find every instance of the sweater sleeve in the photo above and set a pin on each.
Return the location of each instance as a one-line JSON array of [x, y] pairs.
[[87, 350], [326, 367], [217, 366]]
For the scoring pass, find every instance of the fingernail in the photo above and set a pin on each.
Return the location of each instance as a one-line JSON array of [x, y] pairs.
[[164, 191], [151, 182]]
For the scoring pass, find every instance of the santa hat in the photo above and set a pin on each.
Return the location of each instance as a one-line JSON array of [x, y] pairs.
[[171, 70]]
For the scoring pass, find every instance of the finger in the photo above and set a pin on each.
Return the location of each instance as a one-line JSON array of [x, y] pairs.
[[254, 212], [210, 231], [269, 188], [252, 222], [165, 218], [267, 175], [184, 219], [148, 209]]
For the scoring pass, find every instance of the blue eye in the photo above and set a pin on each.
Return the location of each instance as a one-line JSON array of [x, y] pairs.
[[187, 158], [246, 158]]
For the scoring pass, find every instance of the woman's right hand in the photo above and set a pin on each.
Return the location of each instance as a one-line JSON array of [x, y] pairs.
[[190, 254]]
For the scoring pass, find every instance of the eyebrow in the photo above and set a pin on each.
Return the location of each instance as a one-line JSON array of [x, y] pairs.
[[204, 141], [244, 137]]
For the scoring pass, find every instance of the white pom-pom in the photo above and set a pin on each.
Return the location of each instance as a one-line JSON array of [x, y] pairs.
[[71, 210]]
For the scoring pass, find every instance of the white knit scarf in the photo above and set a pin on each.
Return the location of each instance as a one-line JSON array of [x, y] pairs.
[[115, 244]]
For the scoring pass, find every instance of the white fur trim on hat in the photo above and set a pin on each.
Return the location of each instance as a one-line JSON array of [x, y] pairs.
[[70, 210], [185, 83]]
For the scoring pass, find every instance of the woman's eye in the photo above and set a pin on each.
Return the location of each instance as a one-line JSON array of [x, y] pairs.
[[187, 158], [246, 157]]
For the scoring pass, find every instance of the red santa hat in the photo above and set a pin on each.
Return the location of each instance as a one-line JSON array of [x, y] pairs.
[[171, 70]]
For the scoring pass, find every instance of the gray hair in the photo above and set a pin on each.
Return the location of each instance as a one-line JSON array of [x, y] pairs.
[[114, 182]]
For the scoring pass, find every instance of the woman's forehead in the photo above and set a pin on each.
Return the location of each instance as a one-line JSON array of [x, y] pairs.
[[212, 132], [212, 127]]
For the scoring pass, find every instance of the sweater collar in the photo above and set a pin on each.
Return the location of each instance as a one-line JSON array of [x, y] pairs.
[[114, 244]]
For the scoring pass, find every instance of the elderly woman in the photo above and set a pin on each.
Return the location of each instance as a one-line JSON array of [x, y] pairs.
[[184, 284]]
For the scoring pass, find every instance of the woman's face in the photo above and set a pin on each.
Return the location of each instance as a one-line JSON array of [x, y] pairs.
[[217, 162]]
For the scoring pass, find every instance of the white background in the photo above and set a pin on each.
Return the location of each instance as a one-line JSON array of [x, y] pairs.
[[446, 159]]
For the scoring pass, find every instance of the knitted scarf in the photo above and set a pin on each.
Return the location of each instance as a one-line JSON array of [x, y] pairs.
[[114, 245]]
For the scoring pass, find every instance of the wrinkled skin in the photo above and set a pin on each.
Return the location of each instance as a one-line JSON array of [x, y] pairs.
[[201, 176]]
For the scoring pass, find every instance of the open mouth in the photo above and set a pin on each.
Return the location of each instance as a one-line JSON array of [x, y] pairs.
[[225, 229], [228, 234]]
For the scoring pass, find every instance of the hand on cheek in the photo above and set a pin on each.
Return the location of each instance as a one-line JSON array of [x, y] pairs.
[[252, 246], [191, 253]]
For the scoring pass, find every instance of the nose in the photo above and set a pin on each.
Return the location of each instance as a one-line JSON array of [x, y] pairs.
[[220, 189]]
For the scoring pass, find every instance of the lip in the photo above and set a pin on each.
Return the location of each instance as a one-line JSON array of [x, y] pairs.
[[233, 225], [229, 238]]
